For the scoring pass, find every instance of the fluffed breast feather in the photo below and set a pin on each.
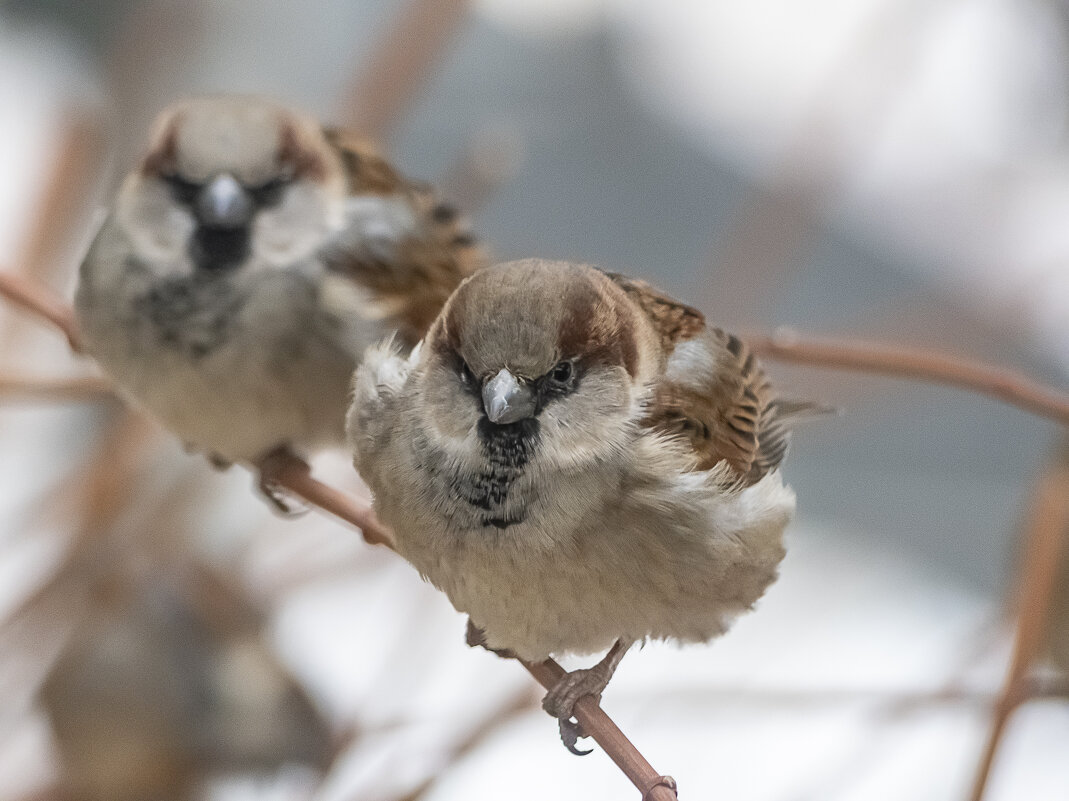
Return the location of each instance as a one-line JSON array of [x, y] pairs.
[[411, 286], [379, 378], [714, 393]]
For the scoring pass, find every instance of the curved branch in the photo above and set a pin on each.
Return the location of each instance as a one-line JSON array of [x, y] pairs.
[[80, 388], [1008, 386], [288, 472], [38, 299], [599, 726]]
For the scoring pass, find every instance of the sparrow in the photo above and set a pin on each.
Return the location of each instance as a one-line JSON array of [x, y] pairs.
[[579, 462], [245, 265], [167, 682]]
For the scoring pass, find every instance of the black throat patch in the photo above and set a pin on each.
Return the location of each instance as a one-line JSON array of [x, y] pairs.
[[508, 449], [217, 249]]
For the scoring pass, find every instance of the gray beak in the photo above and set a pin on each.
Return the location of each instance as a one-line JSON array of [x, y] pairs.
[[506, 400], [224, 203]]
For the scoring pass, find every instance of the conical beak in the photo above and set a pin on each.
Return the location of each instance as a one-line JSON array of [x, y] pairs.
[[224, 203], [507, 400]]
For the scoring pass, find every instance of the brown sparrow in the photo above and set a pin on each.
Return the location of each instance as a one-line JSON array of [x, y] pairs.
[[246, 264], [579, 462]]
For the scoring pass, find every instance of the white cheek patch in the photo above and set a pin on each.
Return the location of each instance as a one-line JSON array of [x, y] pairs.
[[295, 228], [158, 228]]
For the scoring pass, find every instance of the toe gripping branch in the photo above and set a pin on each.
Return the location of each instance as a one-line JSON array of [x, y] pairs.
[[665, 782], [600, 727]]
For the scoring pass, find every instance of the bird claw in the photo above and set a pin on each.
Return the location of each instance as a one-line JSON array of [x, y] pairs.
[[270, 466], [279, 501], [560, 701], [570, 732]]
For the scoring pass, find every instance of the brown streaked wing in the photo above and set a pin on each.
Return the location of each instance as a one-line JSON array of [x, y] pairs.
[[727, 416], [673, 321], [367, 172], [410, 289]]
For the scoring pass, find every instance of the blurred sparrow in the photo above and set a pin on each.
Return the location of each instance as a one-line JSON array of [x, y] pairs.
[[246, 264], [166, 682], [580, 463]]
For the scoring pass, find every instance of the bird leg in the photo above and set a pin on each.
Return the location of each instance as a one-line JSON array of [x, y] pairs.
[[218, 462], [475, 637], [561, 700], [270, 467]]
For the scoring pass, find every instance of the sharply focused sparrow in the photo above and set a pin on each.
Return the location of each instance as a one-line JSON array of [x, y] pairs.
[[580, 463], [246, 264]]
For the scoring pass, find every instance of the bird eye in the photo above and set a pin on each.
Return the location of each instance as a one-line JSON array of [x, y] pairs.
[[562, 373], [181, 190], [268, 193], [466, 375]]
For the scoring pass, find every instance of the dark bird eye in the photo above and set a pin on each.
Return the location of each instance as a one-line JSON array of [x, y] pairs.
[[268, 193], [182, 190], [562, 373], [466, 375]]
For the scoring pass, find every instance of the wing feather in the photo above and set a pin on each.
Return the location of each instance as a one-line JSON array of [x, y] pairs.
[[409, 284], [713, 392]]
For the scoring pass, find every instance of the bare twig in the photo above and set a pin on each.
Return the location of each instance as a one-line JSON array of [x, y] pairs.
[[599, 726], [1009, 386], [292, 474], [1044, 547], [80, 388], [38, 299], [400, 64]]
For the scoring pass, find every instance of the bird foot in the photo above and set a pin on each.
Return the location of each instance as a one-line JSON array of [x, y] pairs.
[[570, 732], [476, 638], [218, 462], [561, 700], [271, 490]]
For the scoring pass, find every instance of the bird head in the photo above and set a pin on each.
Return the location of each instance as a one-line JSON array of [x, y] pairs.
[[227, 179], [549, 355]]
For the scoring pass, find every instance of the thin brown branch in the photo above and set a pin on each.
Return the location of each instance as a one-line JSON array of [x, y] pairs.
[[399, 65], [599, 726], [79, 388], [1044, 549], [41, 301], [289, 472], [1008, 386]]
